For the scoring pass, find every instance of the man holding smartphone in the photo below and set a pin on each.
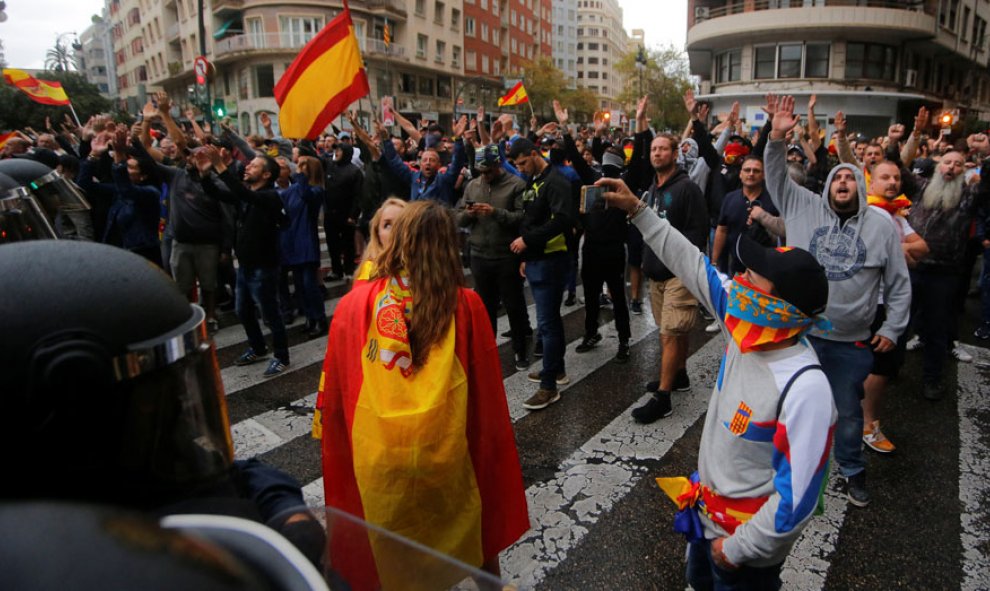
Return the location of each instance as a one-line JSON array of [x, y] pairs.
[[492, 207]]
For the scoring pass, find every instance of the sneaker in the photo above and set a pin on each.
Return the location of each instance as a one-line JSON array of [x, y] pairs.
[[562, 379], [655, 409], [983, 332], [713, 327], [636, 307], [249, 357], [960, 353], [914, 343], [705, 313], [319, 329], [681, 383], [589, 343], [538, 349], [330, 278], [932, 391], [522, 363], [622, 355], [542, 399], [604, 301], [653, 386], [274, 368], [856, 489], [571, 299], [874, 438], [508, 334]]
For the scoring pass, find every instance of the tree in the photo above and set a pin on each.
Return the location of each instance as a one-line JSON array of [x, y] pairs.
[[665, 78], [545, 82], [18, 111]]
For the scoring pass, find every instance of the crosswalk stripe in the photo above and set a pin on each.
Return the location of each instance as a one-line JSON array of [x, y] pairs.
[[266, 431], [974, 486]]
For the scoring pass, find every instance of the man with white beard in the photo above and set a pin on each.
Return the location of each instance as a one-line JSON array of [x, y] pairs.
[[942, 216]]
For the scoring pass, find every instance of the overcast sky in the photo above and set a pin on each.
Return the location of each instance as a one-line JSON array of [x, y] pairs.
[[32, 25]]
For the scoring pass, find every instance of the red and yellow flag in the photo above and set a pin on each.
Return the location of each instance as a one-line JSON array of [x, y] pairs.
[[430, 454], [516, 96], [41, 91], [5, 137], [325, 78]]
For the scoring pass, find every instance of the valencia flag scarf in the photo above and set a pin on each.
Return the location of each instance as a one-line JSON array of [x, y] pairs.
[[429, 455], [895, 206], [756, 319]]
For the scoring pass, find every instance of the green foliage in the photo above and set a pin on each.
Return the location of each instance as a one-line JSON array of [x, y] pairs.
[[17, 111], [545, 82], [665, 79]]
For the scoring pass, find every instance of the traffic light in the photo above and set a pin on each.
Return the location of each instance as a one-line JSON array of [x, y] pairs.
[[946, 119], [219, 108], [607, 116]]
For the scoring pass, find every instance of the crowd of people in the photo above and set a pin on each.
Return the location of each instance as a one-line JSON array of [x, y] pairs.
[[817, 256]]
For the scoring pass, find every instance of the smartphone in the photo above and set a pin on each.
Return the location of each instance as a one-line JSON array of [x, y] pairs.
[[590, 196]]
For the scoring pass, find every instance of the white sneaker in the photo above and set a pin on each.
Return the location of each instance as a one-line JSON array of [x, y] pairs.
[[914, 344], [960, 353], [713, 327]]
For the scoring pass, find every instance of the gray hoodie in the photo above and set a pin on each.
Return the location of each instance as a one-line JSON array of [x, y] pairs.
[[858, 255]]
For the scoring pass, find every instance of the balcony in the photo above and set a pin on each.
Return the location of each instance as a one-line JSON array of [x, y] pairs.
[[278, 42], [172, 31], [174, 68], [396, 7], [731, 24], [227, 5]]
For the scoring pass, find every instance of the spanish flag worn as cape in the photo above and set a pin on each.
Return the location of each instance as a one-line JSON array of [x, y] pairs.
[[324, 79], [40, 91], [429, 455], [516, 96]]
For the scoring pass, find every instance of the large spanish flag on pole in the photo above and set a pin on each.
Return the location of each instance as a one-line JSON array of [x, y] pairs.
[[325, 78], [516, 96], [41, 91], [427, 454]]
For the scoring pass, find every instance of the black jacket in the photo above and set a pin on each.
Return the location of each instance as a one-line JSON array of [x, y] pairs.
[[681, 203], [259, 218], [344, 185], [547, 217]]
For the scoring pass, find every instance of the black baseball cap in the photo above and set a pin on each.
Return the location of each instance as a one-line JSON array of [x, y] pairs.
[[797, 277]]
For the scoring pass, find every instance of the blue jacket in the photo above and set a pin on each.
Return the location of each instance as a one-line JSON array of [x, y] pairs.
[[299, 242], [439, 188], [134, 210]]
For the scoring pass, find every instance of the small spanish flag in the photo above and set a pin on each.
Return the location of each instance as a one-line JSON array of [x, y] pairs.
[[516, 96], [325, 78], [41, 91], [5, 137]]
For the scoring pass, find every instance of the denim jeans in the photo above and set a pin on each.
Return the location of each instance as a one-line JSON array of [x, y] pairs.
[[846, 365], [704, 575], [258, 286], [307, 296], [546, 280], [498, 279], [933, 307]]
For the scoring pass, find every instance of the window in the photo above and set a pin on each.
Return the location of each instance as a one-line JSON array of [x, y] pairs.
[[816, 60], [243, 81], [964, 30], [948, 13], [407, 84], [426, 86], [592, 60], [593, 46], [441, 50], [484, 32], [455, 56], [469, 26], [870, 60], [485, 64], [421, 42], [264, 81], [765, 62], [455, 19], [256, 33], [420, 7], [438, 10], [728, 66], [789, 60], [471, 61], [298, 30], [443, 88]]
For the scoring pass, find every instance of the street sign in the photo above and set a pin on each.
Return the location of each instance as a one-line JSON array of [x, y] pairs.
[[200, 67]]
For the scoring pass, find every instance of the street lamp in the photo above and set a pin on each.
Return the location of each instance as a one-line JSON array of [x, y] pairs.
[[641, 66], [60, 57]]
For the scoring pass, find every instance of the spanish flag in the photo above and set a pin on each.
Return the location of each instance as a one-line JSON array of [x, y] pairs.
[[325, 78], [516, 96], [5, 137], [41, 91], [427, 454]]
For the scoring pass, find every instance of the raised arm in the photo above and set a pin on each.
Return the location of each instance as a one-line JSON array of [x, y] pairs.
[[391, 157], [845, 153], [408, 126], [787, 195]]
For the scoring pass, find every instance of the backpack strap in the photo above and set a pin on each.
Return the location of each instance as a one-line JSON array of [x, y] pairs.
[[790, 382]]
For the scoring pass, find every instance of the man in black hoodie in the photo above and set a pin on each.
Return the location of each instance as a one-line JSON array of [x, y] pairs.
[[259, 217], [674, 197], [340, 209]]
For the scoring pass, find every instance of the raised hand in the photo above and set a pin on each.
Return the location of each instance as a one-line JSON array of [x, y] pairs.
[[548, 129], [895, 132], [533, 122], [149, 111], [689, 103], [48, 123], [481, 113], [460, 126], [840, 122], [164, 104], [784, 119], [980, 143], [496, 131], [770, 108], [734, 114], [380, 130], [266, 120], [120, 138], [812, 101], [100, 143], [560, 112], [201, 158], [921, 120], [703, 112], [641, 107]]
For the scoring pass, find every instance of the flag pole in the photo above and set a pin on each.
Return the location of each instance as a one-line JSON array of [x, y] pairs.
[[74, 116]]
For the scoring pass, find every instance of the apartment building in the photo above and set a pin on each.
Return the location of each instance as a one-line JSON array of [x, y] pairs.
[[565, 38], [95, 57], [876, 60], [601, 43]]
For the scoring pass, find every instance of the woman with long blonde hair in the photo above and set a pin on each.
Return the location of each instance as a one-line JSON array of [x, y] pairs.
[[380, 235], [416, 432]]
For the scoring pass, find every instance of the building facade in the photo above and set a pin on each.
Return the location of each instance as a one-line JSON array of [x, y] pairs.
[[565, 38], [876, 60], [95, 58], [601, 43]]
